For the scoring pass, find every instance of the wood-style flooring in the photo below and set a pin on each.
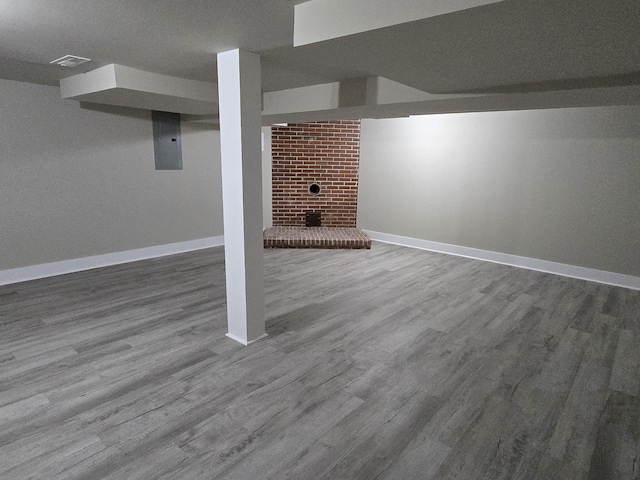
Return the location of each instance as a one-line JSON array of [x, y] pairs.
[[389, 363]]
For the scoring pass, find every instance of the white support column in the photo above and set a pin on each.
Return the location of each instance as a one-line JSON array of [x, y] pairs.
[[240, 100]]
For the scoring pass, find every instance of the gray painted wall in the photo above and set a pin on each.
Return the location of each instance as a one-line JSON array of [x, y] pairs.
[[77, 182], [558, 185]]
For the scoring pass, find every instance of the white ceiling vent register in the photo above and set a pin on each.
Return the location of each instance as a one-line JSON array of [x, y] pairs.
[[70, 61]]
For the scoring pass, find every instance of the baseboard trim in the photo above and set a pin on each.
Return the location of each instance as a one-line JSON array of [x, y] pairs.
[[23, 274], [581, 273]]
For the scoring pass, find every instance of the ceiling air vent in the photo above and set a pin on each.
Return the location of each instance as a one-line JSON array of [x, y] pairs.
[[70, 61]]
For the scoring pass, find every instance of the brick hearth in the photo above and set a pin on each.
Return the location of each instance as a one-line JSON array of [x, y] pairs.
[[315, 237]]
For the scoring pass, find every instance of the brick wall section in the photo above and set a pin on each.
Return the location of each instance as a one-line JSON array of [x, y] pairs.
[[326, 153]]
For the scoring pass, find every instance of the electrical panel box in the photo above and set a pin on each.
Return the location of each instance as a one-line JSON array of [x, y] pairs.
[[167, 145]]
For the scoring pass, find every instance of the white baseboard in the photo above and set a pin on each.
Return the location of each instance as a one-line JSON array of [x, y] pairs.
[[34, 272], [582, 273]]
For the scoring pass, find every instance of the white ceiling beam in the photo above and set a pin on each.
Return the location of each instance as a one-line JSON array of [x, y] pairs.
[[320, 20], [359, 92], [128, 87], [439, 104]]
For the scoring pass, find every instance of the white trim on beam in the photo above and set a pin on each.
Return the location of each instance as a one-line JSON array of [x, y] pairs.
[[581, 273], [23, 274]]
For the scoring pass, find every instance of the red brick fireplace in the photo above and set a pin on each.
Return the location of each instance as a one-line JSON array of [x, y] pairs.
[[315, 168]]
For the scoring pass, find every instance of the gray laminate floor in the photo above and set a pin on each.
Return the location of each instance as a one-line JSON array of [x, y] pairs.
[[387, 363]]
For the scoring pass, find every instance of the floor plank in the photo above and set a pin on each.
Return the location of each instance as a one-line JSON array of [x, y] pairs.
[[389, 363]]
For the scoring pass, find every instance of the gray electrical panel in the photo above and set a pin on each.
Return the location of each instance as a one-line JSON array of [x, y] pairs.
[[167, 145]]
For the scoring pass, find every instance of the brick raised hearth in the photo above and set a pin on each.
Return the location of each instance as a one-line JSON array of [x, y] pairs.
[[315, 237]]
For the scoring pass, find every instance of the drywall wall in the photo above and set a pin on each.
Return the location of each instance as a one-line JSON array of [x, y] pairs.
[[77, 182], [558, 185]]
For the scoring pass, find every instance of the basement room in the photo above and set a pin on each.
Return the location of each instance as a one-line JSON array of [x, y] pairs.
[[320, 239]]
